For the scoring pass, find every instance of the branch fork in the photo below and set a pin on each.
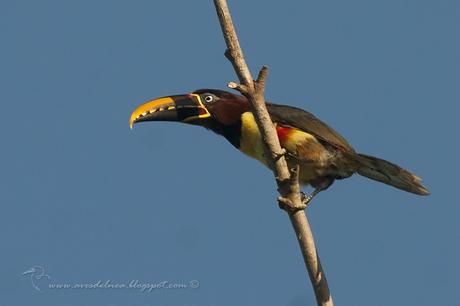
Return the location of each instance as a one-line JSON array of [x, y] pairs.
[[259, 84]]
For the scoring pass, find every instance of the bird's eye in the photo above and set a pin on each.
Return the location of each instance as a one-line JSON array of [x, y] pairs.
[[208, 98]]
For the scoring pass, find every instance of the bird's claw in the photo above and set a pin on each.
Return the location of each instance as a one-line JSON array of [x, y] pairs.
[[280, 154], [283, 153], [305, 198], [287, 205]]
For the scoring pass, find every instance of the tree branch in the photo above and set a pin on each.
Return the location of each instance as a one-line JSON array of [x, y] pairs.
[[287, 181]]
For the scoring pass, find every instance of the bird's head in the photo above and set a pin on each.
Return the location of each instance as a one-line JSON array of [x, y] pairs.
[[206, 107]]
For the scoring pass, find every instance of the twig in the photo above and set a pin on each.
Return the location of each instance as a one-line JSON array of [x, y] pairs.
[[288, 184]]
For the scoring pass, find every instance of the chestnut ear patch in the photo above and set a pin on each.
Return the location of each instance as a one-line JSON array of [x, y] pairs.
[[229, 112]]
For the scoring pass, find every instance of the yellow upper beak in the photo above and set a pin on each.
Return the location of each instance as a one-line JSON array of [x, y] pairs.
[[183, 108], [151, 107]]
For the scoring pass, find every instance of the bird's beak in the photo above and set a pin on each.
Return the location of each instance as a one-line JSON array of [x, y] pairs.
[[181, 108], [31, 270]]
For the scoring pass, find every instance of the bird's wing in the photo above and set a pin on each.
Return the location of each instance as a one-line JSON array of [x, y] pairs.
[[305, 121]]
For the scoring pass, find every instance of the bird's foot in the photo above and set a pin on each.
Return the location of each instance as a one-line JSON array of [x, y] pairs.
[[306, 199], [287, 205], [282, 153]]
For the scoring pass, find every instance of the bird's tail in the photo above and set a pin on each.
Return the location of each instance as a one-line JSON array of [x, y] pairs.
[[390, 174]]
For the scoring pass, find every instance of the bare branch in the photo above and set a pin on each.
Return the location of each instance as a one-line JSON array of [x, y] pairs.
[[240, 87], [260, 82], [288, 184]]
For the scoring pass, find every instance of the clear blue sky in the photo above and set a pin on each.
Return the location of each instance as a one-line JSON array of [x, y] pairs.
[[88, 199]]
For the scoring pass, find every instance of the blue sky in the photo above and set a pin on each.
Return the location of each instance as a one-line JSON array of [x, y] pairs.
[[87, 199]]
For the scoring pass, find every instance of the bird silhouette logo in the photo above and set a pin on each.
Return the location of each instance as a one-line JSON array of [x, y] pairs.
[[36, 274]]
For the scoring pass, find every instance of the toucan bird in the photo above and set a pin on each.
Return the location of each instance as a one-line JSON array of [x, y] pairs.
[[322, 154]]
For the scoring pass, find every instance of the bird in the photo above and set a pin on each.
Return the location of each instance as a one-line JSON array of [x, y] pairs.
[[320, 152], [36, 273]]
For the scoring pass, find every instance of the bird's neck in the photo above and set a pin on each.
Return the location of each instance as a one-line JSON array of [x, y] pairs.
[[231, 132], [243, 134]]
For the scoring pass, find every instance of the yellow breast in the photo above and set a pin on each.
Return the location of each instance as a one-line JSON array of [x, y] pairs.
[[309, 153], [250, 141]]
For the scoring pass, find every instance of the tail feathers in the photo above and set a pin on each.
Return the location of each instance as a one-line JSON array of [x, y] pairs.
[[390, 174]]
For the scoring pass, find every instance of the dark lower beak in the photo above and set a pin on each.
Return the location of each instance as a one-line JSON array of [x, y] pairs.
[[181, 108]]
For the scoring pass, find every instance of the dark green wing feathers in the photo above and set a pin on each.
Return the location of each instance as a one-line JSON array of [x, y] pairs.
[[305, 121]]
